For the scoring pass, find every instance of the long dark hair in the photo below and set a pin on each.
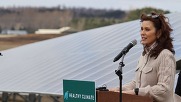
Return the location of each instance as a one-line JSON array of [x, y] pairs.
[[163, 29]]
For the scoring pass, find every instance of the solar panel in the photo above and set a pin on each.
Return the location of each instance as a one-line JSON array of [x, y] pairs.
[[88, 55]]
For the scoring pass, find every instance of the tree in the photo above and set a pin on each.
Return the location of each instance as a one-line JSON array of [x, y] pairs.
[[135, 14], [0, 29]]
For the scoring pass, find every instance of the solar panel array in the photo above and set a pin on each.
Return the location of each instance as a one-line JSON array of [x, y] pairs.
[[88, 55]]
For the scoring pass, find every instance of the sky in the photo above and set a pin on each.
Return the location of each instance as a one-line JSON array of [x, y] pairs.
[[171, 5]]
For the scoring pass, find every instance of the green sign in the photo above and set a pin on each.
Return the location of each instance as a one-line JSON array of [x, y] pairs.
[[79, 91]]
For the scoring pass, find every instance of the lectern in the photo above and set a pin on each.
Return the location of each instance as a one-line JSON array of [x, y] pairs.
[[109, 96]]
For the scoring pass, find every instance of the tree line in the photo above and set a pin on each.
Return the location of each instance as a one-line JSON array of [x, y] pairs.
[[33, 18]]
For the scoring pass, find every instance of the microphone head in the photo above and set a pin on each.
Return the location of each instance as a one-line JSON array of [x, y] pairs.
[[134, 42]]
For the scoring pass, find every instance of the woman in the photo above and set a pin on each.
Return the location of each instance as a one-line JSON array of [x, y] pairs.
[[155, 71]]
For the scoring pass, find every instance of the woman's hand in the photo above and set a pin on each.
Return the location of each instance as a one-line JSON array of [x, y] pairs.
[[114, 89], [129, 92], [126, 92]]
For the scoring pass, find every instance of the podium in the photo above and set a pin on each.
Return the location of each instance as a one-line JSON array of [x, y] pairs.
[[109, 96]]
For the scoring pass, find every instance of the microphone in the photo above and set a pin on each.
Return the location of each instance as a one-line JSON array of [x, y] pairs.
[[125, 50]]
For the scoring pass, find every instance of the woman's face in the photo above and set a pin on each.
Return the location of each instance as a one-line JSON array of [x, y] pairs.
[[148, 33]]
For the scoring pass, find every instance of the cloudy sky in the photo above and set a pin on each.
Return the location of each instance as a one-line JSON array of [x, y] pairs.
[[171, 5]]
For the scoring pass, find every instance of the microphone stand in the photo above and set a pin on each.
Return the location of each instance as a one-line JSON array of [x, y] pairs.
[[119, 73]]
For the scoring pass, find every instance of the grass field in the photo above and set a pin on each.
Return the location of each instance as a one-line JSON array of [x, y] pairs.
[[11, 41]]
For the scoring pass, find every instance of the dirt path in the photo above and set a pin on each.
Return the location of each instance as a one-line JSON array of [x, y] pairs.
[[11, 41]]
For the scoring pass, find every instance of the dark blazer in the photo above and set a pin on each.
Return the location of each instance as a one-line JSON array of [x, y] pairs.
[[178, 87]]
